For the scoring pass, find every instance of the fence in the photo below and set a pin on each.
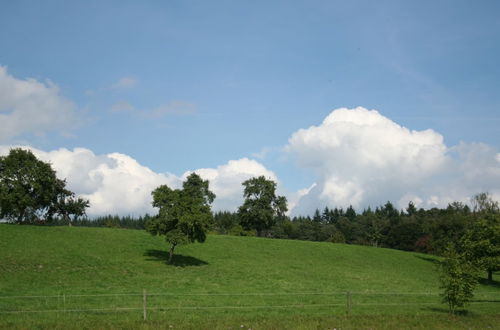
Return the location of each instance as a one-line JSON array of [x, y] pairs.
[[147, 302]]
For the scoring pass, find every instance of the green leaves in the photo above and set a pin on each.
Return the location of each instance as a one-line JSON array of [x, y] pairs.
[[458, 279], [481, 243], [31, 192], [261, 206], [184, 214]]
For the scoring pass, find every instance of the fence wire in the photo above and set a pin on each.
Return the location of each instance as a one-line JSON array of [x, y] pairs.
[[145, 302]]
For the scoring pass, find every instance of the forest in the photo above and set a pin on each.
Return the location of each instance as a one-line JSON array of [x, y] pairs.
[[411, 229]]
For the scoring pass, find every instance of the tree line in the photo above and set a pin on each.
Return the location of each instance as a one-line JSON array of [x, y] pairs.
[[31, 193]]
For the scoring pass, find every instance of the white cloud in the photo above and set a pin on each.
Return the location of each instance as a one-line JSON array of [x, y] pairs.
[[226, 180], [363, 158], [122, 106], [124, 83], [359, 156], [172, 108], [29, 106], [117, 184], [176, 108], [114, 183]]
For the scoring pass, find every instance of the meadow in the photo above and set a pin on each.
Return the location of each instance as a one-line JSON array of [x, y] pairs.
[[63, 277]]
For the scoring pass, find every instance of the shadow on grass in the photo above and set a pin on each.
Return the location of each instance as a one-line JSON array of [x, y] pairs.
[[429, 259], [177, 260], [494, 283], [461, 312]]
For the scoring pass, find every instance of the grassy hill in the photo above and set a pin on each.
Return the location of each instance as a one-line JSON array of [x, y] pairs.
[[70, 263]]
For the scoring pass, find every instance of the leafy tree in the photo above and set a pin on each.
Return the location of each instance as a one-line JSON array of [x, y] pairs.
[[484, 203], [68, 204], [482, 244], [31, 192], [261, 207], [458, 279], [184, 214]]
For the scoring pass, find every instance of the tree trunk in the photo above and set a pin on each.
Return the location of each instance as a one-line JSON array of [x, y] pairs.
[[490, 276], [171, 253], [21, 216]]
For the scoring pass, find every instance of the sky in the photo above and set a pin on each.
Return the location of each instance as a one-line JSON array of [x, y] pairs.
[[340, 102]]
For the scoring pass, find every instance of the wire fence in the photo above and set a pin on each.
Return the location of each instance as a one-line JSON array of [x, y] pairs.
[[147, 302]]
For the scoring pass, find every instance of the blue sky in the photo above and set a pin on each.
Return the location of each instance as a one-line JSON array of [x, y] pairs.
[[184, 85]]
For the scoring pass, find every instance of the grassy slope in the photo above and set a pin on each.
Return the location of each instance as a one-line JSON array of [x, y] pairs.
[[51, 260], [39, 260]]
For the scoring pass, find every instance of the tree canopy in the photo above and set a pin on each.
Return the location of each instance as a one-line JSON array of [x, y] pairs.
[[184, 214], [261, 207], [31, 192]]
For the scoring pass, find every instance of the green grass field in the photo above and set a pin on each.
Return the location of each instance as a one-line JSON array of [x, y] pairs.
[[95, 277]]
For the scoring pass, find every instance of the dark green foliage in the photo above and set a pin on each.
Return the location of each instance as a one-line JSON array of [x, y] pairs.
[[481, 244], [30, 192], [224, 221], [184, 214], [261, 208], [458, 279]]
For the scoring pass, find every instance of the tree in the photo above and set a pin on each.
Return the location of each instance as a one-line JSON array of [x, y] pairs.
[[481, 241], [481, 244], [68, 204], [184, 214], [31, 192], [261, 207], [484, 203], [458, 279]]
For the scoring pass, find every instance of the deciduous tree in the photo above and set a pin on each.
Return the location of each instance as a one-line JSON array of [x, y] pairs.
[[458, 278], [31, 192], [261, 207], [184, 214]]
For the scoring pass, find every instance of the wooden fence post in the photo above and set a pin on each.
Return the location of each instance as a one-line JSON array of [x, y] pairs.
[[144, 307], [348, 302]]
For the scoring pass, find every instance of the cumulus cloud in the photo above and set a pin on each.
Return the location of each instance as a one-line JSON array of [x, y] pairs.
[[226, 180], [29, 106], [363, 158], [117, 184]]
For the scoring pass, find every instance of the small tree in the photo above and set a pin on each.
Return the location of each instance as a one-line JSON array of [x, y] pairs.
[[261, 207], [458, 279], [184, 214]]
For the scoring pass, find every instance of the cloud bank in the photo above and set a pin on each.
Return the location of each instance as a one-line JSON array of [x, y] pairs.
[[362, 158], [117, 184], [29, 106]]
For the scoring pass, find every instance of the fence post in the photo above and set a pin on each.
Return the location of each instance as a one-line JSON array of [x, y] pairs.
[[144, 307], [348, 302]]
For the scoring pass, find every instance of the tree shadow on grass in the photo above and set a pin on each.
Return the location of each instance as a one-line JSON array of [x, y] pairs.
[[429, 259], [461, 312], [494, 283], [177, 260]]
